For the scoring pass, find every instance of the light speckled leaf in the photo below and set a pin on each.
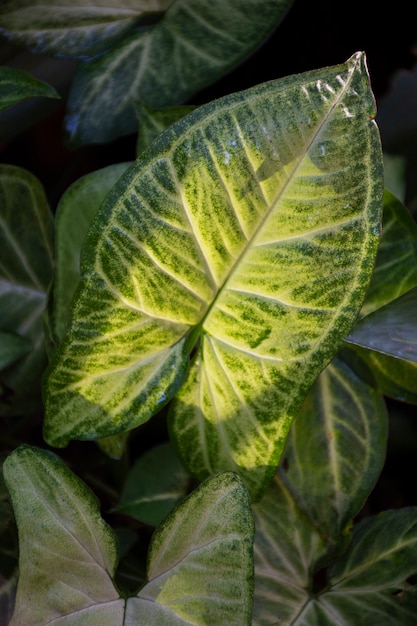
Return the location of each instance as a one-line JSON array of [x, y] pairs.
[[335, 450], [17, 85], [248, 233], [396, 263], [26, 262], [287, 551], [74, 214], [195, 43], [77, 28], [154, 485], [200, 564]]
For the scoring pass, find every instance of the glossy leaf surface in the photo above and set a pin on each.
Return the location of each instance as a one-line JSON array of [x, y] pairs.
[[26, 263], [75, 28], [193, 45], [263, 283], [17, 85], [200, 559], [335, 450]]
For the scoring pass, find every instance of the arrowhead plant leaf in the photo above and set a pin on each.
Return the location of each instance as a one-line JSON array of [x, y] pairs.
[[200, 563], [245, 237]]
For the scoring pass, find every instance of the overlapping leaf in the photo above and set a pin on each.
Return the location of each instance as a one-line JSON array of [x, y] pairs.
[[75, 28], [26, 262], [193, 44], [247, 233], [200, 567], [17, 85]]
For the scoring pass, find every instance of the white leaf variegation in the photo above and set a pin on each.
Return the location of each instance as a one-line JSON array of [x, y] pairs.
[[246, 234], [200, 565]]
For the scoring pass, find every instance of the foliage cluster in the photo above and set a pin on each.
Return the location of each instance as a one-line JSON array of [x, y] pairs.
[[212, 334]]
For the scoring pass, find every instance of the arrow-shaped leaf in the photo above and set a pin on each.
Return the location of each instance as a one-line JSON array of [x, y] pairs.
[[200, 565], [17, 85], [248, 233]]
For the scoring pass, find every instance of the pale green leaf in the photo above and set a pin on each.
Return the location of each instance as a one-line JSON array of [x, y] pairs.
[[395, 167], [193, 45], [74, 214], [396, 263], [200, 566], [77, 28], [263, 284], [67, 553], [153, 121], [12, 347], [26, 262], [391, 330], [17, 85], [287, 550], [335, 450], [200, 561], [154, 485]]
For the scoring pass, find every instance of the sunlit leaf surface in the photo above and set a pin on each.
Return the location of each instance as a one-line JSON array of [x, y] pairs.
[[247, 234], [200, 565], [193, 45], [26, 262], [76, 28]]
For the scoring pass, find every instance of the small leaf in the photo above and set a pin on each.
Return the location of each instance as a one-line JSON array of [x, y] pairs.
[[263, 284], [193, 45], [286, 551], [155, 484], [335, 451], [200, 561], [396, 262], [74, 214], [26, 262], [17, 85], [77, 28]]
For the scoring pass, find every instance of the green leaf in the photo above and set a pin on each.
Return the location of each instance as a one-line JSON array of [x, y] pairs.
[[153, 121], [262, 285], [193, 45], [287, 550], [200, 566], [77, 28], [17, 85], [391, 330], [26, 261], [12, 347], [335, 451], [396, 263], [155, 484], [74, 214]]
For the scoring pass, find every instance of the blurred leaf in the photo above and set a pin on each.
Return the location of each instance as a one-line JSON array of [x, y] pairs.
[[200, 565], [74, 214], [7, 598], [394, 175], [335, 451], [77, 28], [392, 377], [12, 347], [286, 551], [26, 263], [391, 330], [193, 45], [260, 285], [396, 261], [17, 85], [155, 484], [153, 121]]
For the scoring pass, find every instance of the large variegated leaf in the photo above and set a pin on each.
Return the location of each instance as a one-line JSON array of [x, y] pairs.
[[17, 85], [247, 234], [200, 566], [335, 451], [76, 28], [26, 262], [195, 43]]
